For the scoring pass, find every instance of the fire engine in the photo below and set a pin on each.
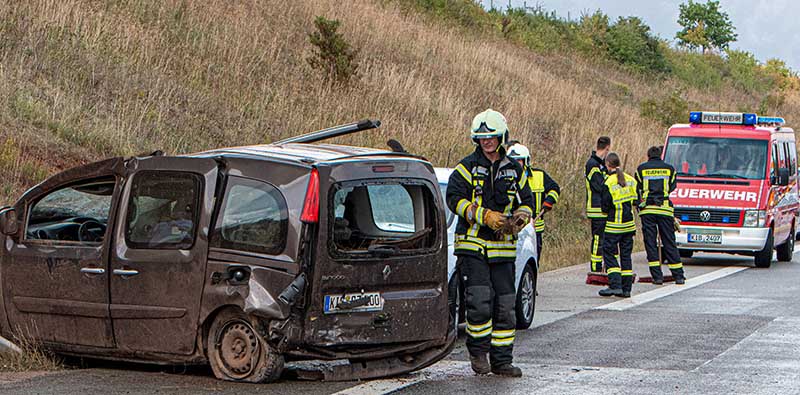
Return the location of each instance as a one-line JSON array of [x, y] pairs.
[[737, 186]]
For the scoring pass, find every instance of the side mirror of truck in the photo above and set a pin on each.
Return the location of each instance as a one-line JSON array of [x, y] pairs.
[[8, 221], [782, 178]]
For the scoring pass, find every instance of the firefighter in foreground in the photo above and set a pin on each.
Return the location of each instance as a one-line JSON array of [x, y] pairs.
[[618, 200], [656, 180], [595, 179], [493, 203], [544, 189]]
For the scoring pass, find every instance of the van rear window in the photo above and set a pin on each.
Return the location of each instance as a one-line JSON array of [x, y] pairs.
[[382, 218]]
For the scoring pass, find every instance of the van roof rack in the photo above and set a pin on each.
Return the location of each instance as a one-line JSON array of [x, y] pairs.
[[332, 132]]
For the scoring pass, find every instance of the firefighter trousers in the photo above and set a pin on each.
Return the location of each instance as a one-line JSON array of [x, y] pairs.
[[653, 226], [598, 229], [490, 301], [539, 247], [620, 273]]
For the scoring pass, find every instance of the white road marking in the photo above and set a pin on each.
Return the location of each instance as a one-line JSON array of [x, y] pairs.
[[387, 386], [640, 299]]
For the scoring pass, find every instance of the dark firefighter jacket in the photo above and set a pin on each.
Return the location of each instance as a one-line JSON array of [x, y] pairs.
[[656, 180], [545, 193], [618, 202], [595, 177], [498, 186]]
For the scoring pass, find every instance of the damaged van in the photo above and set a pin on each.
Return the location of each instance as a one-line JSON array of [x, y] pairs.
[[242, 258]]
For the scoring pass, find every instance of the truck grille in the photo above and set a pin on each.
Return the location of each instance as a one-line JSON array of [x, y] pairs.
[[715, 216]]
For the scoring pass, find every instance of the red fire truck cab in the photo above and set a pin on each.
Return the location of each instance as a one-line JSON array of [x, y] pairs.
[[737, 186]]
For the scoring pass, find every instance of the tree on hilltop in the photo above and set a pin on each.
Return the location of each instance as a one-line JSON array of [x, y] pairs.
[[705, 26]]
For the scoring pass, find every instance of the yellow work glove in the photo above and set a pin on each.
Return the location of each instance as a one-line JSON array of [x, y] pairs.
[[494, 220]]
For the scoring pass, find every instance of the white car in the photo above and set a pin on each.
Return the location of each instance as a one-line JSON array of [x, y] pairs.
[[527, 267]]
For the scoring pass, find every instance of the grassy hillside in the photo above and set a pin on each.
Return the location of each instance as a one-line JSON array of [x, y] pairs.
[[81, 80]]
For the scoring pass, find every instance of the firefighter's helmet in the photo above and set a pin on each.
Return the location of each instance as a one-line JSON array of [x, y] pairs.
[[490, 123], [520, 152]]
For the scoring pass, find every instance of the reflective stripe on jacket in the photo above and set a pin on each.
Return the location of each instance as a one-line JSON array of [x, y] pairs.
[[545, 192], [656, 180], [618, 202], [498, 186], [595, 177]]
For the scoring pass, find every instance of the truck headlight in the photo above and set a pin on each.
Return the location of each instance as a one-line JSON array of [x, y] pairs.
[[755, 218]]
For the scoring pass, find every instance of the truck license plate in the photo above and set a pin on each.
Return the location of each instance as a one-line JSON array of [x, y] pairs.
[[369, 301], [705, 238]]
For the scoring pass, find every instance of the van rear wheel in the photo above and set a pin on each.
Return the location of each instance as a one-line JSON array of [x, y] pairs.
[[236, 352], [763, 258]]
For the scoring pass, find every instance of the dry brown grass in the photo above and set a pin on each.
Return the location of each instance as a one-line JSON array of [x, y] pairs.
[[31, 358], [81, 80]]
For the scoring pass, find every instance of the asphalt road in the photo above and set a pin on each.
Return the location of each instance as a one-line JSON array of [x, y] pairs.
[[729, 330]]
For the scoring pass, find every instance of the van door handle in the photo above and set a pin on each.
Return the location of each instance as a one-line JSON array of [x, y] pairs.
[[92, 270], [125, 273]]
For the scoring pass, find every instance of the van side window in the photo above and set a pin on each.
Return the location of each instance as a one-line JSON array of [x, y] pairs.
[[775, 160], [163, 210], [791, 157], [254, 218], [76, 213]]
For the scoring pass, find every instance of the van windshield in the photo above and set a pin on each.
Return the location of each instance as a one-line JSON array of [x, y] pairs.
[[717, 157], [383, 218]]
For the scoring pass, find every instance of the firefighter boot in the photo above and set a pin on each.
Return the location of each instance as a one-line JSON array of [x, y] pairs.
[[610, 292], [614, 284], [480, 365], [508, 370], [656, 273], [627, 284]]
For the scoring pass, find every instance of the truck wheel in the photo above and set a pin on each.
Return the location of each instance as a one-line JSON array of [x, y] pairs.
[[685, 253], [526, 298], [236, 352], [786, 249], [763, 258]]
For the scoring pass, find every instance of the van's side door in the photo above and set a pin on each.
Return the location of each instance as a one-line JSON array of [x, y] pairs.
[[54, 272], [161, 246]]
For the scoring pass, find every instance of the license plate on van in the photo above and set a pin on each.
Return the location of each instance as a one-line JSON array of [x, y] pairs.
[[369, 301], [705, 238]]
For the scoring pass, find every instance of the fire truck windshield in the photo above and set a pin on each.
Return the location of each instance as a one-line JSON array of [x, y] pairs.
[[717, 157]]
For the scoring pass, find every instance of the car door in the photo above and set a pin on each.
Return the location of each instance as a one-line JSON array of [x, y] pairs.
[[157, 266], [54, 271]]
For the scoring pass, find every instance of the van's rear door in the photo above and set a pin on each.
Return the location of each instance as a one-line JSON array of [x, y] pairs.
[[380, 269]]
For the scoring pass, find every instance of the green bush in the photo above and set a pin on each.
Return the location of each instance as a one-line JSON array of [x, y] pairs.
[[697, 70], [668, 110], [334, 56], [746, 73], [631, 44]]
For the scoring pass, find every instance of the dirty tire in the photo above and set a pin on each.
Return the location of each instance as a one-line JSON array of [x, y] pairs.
[[786, 249], [526, 298], [237, 353], [454, 300], [763, 258]]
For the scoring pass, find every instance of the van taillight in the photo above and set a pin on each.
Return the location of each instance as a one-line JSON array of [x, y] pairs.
[[311, 205]]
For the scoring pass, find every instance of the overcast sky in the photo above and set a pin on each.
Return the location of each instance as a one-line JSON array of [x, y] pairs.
[[766, 28]]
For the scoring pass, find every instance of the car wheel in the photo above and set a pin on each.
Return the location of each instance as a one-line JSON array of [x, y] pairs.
[[763, 258], [454, 300], [526, 298], [236, 352], [685, 253], [786, 249]]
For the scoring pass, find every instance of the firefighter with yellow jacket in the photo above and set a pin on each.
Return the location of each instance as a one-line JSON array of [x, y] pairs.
[[545, 190], [493, 203], [618, 201]]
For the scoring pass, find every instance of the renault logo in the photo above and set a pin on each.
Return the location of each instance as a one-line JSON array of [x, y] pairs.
[[386, 272], [705, 216]]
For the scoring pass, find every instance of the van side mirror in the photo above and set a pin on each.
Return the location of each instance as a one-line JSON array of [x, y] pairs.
[[783, 177], [8, 221]]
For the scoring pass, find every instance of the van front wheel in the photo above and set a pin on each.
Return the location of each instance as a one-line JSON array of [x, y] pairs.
[[786, 249], [763, 258], [236, 352]]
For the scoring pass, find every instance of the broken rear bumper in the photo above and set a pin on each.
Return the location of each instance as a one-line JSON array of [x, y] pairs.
[[385, 366]]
